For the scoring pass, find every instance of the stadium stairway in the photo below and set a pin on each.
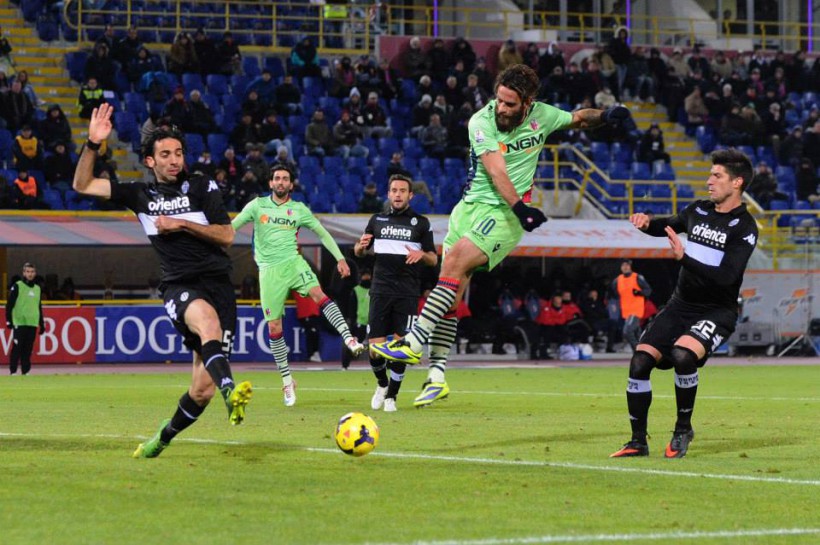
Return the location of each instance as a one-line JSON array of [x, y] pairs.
[[45, 64]]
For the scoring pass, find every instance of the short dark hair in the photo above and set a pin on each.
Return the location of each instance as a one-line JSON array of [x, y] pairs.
[[520, 78], [29, 265], [736, 163], [401, 178], [162, 134], [286, 168]]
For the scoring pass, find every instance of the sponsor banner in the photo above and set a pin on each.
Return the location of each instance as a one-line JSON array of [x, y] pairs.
[[784, 299], [135, 334]]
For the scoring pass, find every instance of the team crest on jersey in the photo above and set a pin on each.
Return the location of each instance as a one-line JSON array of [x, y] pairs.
[[734, 222], [479, 136], [414, 221], [184, 296], [534, 124], [185, 187], [290, 212]]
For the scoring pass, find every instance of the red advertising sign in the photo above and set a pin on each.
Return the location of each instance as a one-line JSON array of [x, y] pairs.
[[70, 336]]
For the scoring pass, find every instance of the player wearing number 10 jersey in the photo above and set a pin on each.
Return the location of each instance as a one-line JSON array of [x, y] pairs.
[[506, 138]]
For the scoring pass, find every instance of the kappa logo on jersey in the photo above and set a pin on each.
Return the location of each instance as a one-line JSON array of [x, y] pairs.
[[750, 238], [704, 231], [181, 203], [701, 211], [212, 186], [391, 231], [734, 222], [171, 309], [380, 218]]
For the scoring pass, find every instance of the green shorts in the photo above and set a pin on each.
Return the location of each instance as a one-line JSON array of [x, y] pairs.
[[494, 228], [277, 281]]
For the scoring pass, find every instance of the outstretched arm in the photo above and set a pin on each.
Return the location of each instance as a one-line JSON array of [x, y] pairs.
[[99, 128], [589, 118]]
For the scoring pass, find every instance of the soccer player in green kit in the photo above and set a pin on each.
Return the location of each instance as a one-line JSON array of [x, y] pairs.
[[276, 220], [506, 138]]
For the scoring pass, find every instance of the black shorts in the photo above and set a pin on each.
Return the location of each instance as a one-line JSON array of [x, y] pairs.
[[710, 326], [391, 315], [217, 291]]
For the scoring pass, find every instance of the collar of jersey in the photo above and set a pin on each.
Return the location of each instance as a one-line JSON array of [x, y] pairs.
[[276, 203]]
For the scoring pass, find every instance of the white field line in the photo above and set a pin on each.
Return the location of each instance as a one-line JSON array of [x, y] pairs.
[[625, 538]]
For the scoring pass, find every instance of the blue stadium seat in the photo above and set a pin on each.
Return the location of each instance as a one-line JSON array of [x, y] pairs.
[[75, 62], [250, 66], [334, 165], [421, 204], [619, 171], [274, 64], [387, 146], [217, 143], [640, 171], [600, 152], [194, 144], [213, 102], [126, 125], [192, 81], [238, 84], [217, 84], [663, 171], [52, 198], [622, 152]]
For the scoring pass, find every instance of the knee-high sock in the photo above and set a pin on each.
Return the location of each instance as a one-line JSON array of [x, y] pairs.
[[186, 414], [396, 376], [218, 367], [280, 355], [438, 304], [379, 367], [334, 316], [441, 341], [638, 400], [686, 389]]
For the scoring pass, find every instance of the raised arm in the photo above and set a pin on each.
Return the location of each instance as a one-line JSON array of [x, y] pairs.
[[99, 129], [589, 118]]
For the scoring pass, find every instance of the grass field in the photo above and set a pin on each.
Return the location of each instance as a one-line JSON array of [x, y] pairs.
[[514, 456]]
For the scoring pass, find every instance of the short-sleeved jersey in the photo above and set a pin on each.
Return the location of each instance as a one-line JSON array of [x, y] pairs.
[[520, 148], [718, 248], [393, 233], [196, 199], [275, 229]]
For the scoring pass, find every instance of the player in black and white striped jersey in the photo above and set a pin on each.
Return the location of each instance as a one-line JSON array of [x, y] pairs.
[[402, 242]]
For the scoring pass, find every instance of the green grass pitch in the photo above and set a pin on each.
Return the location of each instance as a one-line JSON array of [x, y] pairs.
[[514, 456]]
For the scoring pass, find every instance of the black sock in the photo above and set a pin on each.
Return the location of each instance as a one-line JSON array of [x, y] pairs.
[[186, 414], [379, 367], [638, 400], [218, 367], [686, 389], [396, 376]]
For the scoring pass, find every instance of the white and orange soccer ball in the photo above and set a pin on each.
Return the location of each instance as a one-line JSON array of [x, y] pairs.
[[357, 434]]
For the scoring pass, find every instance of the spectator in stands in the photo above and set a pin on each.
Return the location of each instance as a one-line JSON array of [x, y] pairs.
[[657, 70], [200, 117], [247, 189], [103, 162], [651, 148], [438, 61], [621, 54], [177, 109], [697, 62], [353, 104], [365, 69], [753, 125], [813, 117], [553, 56], [54, 129], [6, 63], [388, 82], [59, 168], [696, 111], [228, 56], [811, 142], [101, 66], [458, 132], [797, 72], [474, 94], [256, 163], [253, 107], [205, 49], [6, 198], [764, 189], [604, 98], [639, 80], [304, 59], [577, 86], [677, 62], [91, 96], [774, 127], [721, 65], [26, 87], [204, 164], [126, 48], [284, 157], [4, 83], [602, 69], [508, 55], [777, 84], [554, 87], [272, 135], [596, 78], [806, 181], [68, 292], [531, 55], [108, 38], [26, 192], [265, 89], [758, 62], [375, 118], [17, 108], [27, 150], [596, 315], [396, 165], [433, 138], [421, 114], [347, 137], [452, 92], [425, 87], [732, 127], [232, 166], [485, 77], [415, 61], [142, 63], [719, 106], [344, 78], [318, 136], [288, 97], [370, 203], [226, 188], [463, 51], [244, 133], [443, 109]]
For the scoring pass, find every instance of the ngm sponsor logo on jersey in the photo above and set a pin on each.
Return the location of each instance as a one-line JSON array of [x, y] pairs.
[[180, 203], [526, 143], [277, 221], [391, 231], [705, 232]]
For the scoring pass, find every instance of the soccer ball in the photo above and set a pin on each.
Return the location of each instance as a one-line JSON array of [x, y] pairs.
[[356, 434]]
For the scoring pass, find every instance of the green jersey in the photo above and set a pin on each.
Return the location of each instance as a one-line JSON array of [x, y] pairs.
[[520, 147], [275, 227]]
